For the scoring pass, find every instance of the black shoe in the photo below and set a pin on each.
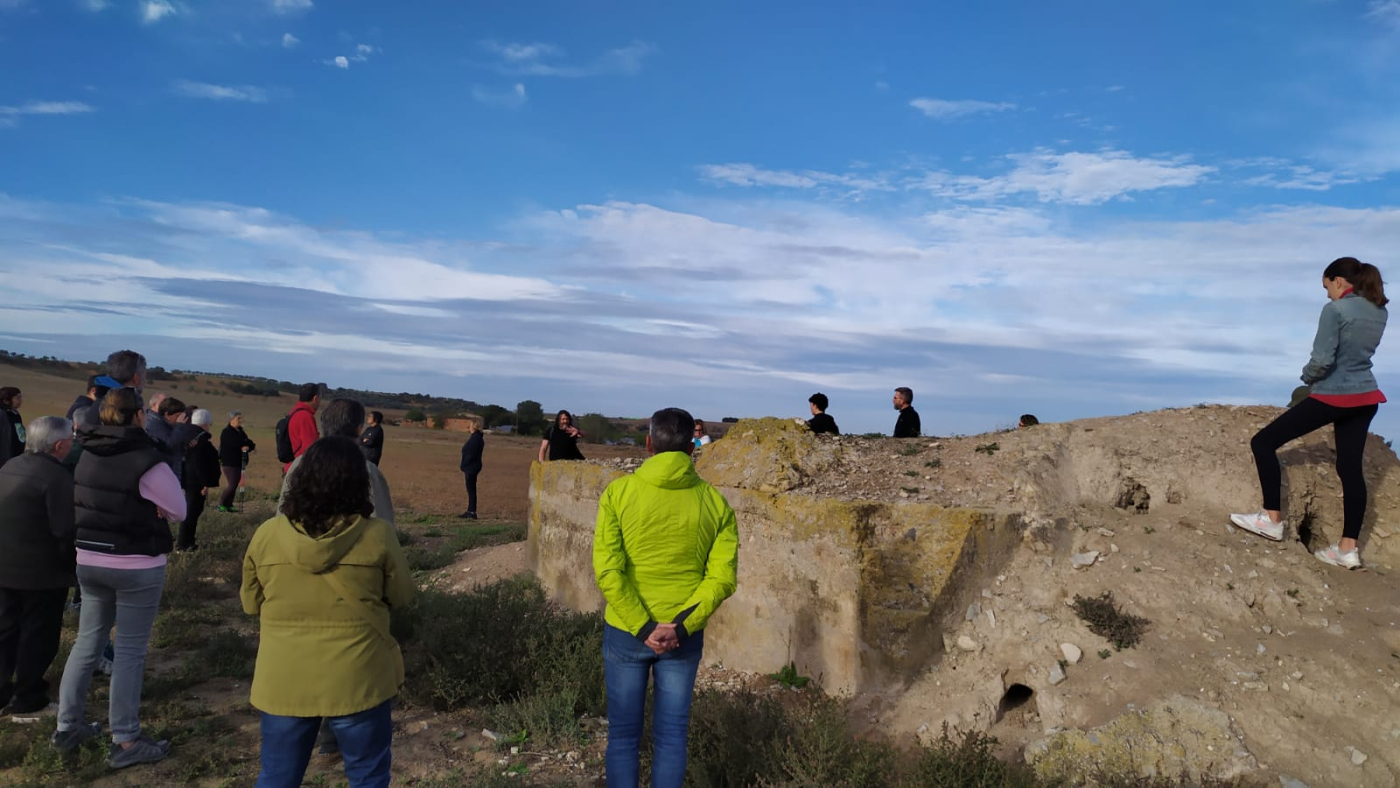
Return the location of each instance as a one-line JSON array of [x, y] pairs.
[[24, 706], [69, 740], [468, 515]]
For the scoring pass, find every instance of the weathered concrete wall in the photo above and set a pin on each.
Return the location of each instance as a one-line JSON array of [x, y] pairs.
[[852, 592]]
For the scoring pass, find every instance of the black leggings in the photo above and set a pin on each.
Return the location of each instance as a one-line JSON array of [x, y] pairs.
[[471, 490], [1350, 425]]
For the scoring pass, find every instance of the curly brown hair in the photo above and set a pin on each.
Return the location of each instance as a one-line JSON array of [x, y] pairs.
[[329, 484]]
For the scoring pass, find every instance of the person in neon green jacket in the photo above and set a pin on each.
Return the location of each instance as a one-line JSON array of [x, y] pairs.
[[665, 555]]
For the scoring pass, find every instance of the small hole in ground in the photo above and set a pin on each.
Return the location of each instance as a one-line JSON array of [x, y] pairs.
[[1016, 697], [1305, 529]]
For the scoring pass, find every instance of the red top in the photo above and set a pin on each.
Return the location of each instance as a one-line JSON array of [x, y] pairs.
[[1351, 400], [301, 428]]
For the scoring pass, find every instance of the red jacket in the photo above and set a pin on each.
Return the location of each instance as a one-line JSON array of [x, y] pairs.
[[301, 428]]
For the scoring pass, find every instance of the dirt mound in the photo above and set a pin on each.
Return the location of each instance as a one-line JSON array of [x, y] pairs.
[[484, 566], [1197, 458]]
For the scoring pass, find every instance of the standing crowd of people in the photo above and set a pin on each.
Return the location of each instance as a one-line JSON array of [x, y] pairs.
[[90, 499]]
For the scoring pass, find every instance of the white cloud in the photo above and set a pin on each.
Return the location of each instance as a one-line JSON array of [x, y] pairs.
[[513, 98], [205, 90], [10, 115], [751, 175], [943, 109], [153, 11], [362, 53], [1386, 12], [519, 52], [291, 6], [541, 60], [96, 6], [48, 108], [289, 41], [1076, 178]]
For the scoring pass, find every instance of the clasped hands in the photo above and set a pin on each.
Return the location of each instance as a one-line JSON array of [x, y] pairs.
[[663, 639]]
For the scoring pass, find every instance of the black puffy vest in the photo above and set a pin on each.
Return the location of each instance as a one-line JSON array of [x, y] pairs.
[[112, 517]]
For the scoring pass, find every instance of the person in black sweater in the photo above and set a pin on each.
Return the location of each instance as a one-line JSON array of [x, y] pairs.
[[907, 426], [200, 472], [372, 439], [234, 447], [11, 424], [821, 423], [36, 565], [471, 467]]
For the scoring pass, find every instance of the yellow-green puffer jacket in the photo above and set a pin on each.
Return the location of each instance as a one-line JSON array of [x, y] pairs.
[[666, 547], [318, 656]]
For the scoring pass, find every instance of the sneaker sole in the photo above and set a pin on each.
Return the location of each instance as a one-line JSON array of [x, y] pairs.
[[1350, 567], [1255, 531]]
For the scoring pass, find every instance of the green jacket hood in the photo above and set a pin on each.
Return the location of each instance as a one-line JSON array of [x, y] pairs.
[[316, 554], [672, 470]]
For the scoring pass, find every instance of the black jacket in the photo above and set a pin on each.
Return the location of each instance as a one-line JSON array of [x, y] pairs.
[[231, 443], [10, 425], [822, 423], [36, 524], [372, 443], [112, 517], [201, 464], [82, 403], [907, 426], [471, 453]]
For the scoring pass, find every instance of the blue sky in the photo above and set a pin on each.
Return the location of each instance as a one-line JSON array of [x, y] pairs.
[[1070, 209]]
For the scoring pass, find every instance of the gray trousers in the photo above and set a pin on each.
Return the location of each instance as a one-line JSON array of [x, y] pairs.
[[128, 598]]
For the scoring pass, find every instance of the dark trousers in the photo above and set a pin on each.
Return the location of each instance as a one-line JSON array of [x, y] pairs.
[[1349, 426], [232, 476], [30, 625], [194, 507], [471, 489]]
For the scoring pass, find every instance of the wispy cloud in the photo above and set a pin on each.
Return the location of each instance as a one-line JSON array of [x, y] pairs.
[[944, 109], [153, 11], [1076, 178], [1278, 173], [205, 90], [514, 98], [95, 6], [547, 60], [9, 115], [361, 55], [289, 41], [741, 174], [1386, 12], [291, 6]]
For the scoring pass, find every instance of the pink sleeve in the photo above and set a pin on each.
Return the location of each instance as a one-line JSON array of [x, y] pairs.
[[160, 487]]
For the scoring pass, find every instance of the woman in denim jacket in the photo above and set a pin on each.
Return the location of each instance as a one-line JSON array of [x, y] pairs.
[[1343, 393]]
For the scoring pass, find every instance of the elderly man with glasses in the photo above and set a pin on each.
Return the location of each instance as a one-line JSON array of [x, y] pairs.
[[36, 564]]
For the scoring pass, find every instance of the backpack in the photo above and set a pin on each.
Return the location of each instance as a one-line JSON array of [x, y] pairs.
[[285, 452]]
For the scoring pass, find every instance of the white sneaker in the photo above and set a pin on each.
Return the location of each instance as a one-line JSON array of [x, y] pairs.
[[1259, 523], [1332, 555]]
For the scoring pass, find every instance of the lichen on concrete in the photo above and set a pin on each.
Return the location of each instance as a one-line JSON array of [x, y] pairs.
[[1174, 738]]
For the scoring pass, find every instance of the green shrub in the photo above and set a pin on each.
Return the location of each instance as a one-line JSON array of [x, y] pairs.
[[968, 761], [416, 416], [497, 644]]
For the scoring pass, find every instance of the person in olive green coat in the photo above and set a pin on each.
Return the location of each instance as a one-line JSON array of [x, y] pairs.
[[665, 555], [322, 577]]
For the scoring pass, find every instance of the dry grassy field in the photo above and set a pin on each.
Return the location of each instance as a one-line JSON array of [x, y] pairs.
[[421, 464]]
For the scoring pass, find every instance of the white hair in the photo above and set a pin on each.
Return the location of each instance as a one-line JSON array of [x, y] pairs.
[[202, 418], [45, 432]]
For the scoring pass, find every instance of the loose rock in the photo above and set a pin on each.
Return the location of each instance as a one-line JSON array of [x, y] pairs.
[[1057, 674], [1081, 560], [1072, 653], [968, 644]]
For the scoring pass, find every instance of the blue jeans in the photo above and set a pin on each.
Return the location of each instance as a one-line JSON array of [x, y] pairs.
[[365, 743], [627, 665], [130, 599]]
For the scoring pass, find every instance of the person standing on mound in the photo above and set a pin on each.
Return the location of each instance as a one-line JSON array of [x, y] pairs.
[[1343, 394]]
